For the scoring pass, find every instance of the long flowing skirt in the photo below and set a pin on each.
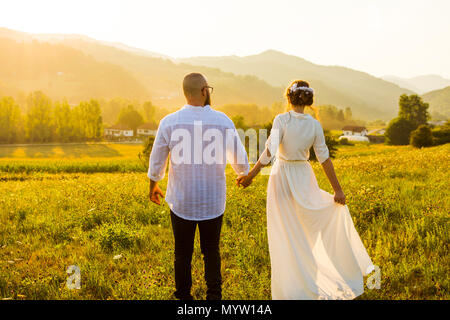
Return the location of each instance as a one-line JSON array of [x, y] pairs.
[[315, 250]]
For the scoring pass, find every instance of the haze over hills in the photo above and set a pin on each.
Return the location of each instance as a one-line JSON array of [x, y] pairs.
[[79, 68], [368, 96], [152, 78], [440, 100], [420, 84], [62, 72], [74, 40]]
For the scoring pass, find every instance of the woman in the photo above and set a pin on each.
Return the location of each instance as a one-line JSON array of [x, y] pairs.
[[315, 250]]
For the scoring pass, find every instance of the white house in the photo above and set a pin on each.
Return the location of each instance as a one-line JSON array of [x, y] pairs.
[[119, 130], [354, 131], [147, 129]]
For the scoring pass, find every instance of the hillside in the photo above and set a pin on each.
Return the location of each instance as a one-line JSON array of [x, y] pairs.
[[155, 78], [78, 67], [368, 96], [420, 84], [439, 101], [62, 72]]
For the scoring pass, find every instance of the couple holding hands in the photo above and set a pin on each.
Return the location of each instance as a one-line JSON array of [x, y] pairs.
[[315, 250]]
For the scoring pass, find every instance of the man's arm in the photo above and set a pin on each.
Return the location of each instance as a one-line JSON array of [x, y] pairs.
[[236, 154], [158, 163]]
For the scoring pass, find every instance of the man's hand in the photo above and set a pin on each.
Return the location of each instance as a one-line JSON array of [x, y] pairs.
[[244, 181], [155, 193]]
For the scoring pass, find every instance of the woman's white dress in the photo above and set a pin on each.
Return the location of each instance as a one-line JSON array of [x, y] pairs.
[[315, 250]]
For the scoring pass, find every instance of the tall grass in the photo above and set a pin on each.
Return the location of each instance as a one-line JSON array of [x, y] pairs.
[[71, 166], [52, 218]]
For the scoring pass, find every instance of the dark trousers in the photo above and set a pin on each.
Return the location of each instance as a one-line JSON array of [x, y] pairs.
[[184, 234]]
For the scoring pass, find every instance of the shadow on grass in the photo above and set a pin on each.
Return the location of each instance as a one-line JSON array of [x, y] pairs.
[[61, 150]]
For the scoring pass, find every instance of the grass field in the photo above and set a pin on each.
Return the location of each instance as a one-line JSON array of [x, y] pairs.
[[84, 204]]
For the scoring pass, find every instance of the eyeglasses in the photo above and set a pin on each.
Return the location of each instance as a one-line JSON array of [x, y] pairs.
[[211, 89]]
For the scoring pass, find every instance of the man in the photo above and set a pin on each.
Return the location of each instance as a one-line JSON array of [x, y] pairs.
[[200, 141]]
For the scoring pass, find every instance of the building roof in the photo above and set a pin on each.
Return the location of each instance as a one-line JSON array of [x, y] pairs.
[[148, 126], [119, 127], [354, 128]]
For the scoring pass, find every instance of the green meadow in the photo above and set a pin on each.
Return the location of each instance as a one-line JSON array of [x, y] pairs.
[[87, 205]]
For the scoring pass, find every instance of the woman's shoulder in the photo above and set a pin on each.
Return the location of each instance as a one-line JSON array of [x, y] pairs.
[[282, 117], [286, 116]]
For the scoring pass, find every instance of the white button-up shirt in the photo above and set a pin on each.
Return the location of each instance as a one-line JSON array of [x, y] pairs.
[[200, 142]]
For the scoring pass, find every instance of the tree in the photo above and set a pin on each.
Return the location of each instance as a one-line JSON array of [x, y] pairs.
[[130, 117], [252, 113], [92, 119], [413, 108], [64, 125], [331, 144], [398, 131], [239, 122], [348, 113], [277, 108], [39, 124], [378, 123], [332, 117], [87, 121], [144, 155], [149, 111], [340, 115], [10, 121], [421, 137], [111, 109], [441, 134]]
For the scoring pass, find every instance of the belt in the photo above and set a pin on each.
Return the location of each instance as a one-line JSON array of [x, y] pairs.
[[291, 160]]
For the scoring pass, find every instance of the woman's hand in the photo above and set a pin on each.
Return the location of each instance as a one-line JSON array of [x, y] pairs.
[[244, 181], [339, 197]]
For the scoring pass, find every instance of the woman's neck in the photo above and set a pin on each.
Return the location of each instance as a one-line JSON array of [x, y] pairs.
[[298, 109]]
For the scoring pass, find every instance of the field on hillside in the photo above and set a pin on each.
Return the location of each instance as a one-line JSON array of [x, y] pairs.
[[83, 205]]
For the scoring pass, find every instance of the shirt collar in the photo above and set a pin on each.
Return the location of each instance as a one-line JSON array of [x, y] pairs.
[[197, 108], [299, 115]]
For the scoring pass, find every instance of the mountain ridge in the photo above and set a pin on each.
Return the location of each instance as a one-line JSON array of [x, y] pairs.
[[368, 96], [420, 84], [440, 100], [259, 78]]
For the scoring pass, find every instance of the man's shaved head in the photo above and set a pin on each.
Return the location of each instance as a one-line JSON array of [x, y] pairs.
[[193, 84]]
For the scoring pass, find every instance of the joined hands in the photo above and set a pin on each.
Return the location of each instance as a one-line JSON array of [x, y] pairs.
[[244, 181]]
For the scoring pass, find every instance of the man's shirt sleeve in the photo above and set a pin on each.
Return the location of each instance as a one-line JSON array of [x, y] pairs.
[[159, 154], [236, 154]]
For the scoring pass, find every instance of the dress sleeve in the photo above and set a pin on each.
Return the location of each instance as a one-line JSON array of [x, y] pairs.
[[273, 142], [319, 145]]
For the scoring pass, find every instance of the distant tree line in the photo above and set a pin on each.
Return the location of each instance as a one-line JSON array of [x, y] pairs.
[[38, 119], [252, 115], [46, 121], [411, 125]]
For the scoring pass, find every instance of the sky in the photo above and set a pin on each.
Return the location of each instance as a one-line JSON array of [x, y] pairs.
[[405, 38]]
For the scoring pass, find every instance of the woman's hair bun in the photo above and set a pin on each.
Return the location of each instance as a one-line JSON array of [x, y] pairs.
[[297, 96]]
